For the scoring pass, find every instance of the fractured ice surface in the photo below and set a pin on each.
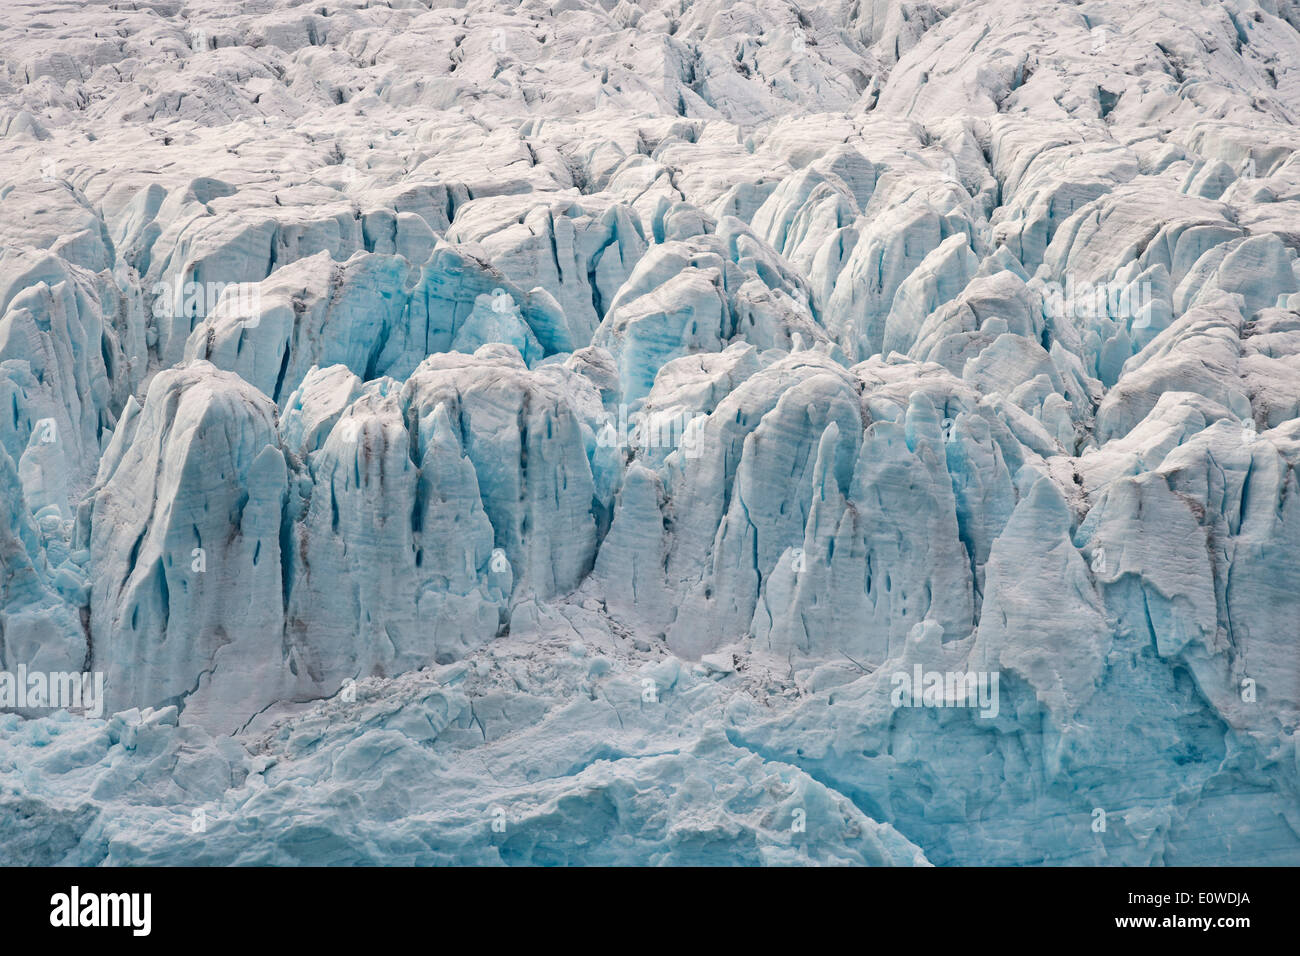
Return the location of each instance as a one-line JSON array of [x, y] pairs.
[[534, 433]]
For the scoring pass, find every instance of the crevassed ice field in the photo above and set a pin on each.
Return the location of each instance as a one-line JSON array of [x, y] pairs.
[[730, 431]]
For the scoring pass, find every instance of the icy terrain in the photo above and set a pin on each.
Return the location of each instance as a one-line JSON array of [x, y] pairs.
[[472, 431]]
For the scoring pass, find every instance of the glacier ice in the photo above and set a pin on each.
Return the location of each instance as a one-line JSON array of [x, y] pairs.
[[526, 433]]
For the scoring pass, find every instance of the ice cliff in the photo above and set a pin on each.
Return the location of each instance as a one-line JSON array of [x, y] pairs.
[[481, 431]]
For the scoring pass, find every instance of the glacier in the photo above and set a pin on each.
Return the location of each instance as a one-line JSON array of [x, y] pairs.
[[515, 432]]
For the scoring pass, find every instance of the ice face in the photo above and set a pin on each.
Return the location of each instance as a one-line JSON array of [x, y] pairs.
[[646, 433]]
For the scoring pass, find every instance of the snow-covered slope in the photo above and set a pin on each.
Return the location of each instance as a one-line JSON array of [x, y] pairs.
[[474, 431]]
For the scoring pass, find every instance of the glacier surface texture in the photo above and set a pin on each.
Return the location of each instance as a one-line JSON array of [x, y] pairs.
[[650, 432]]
